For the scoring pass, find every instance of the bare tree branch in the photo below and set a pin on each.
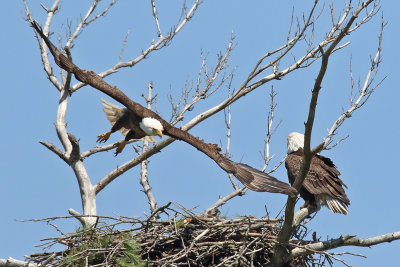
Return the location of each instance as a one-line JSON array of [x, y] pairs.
[[43, 47], [61, 125], [160, 43], [10, 262], [280, 252], [153, 5], [87, 192], [225, 199], [124, 45], [86, 21], [228, 135], [364, 93], [144, 179], [270, 130], [132, 163], [56, 150], [98, 149], [346, 240], [210, 79]]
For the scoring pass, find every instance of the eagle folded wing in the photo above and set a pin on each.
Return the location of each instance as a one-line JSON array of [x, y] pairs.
[[322, 181]]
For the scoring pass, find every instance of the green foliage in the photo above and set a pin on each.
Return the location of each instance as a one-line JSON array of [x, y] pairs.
[[96, 248], [180, 223], [131, 257]]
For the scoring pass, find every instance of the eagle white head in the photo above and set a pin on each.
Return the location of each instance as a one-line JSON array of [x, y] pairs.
[[151, 126], [294, 142]]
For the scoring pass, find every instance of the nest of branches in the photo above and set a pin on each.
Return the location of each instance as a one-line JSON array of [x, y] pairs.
[[181, 240]]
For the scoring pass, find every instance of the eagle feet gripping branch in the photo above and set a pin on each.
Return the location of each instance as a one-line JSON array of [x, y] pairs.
[[305, 205], [308, 204], [120, 147], [130, 125]]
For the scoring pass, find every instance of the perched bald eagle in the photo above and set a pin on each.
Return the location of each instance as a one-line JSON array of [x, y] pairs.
[[322, 185], [130, 125]]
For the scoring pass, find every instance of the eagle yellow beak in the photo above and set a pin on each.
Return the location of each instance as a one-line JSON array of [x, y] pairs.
[[159, 133]]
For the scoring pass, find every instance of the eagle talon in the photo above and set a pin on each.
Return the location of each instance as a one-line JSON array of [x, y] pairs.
[[120, 147], [309, 205], [102, 138], [305, 205]]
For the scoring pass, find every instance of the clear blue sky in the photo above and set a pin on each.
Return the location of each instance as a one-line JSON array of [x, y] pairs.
[[36, 184]]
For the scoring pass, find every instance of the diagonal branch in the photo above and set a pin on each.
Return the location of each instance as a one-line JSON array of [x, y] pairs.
[[222, 201], [132, 163], [55, 150]]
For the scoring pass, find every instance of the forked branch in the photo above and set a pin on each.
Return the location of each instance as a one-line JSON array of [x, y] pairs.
[[281, 253]]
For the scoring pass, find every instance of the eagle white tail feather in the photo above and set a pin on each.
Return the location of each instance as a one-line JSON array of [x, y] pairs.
[[335, 205]]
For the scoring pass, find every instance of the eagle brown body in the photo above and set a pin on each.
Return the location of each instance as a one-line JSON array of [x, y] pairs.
[[322, 185], [128, 123], [124, 120]]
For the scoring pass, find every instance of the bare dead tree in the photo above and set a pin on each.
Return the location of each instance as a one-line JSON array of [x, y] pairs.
[[71, 154], [271, 66]]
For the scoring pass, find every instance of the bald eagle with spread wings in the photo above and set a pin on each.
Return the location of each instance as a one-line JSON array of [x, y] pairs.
[[138, 122], [322, 185], [130, 125]]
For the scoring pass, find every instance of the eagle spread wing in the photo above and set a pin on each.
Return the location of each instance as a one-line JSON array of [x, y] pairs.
[[260, 181], [322, 185], [251, 177]]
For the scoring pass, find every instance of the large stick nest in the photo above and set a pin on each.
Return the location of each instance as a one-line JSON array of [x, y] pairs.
[[180, 240]]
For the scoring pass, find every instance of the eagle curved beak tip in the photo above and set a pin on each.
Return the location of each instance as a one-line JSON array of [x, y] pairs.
[[159, 133]]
